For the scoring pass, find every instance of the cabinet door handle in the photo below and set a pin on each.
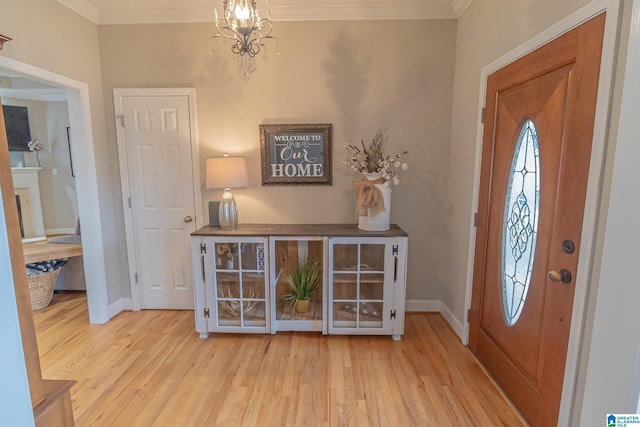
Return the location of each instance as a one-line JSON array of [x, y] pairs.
[[202, 263], [395, 269]]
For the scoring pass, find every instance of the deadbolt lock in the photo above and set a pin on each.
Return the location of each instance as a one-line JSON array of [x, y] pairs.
[[568, 246]]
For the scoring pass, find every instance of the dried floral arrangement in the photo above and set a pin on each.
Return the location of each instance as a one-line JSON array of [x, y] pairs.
[[226, 250], [374, 158], [35, 146]]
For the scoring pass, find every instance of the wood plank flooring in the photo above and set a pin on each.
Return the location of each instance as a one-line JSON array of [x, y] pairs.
[[150, 368]]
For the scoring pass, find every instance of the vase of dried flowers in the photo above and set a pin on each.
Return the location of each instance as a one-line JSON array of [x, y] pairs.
[[35, 146], [226, 254], [370, 218], [373, 204]]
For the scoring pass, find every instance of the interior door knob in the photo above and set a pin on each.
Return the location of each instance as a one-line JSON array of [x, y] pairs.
[[563, 276], [188, 218]]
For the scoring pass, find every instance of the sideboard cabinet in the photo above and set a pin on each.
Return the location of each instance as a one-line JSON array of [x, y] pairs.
[[240, 281]]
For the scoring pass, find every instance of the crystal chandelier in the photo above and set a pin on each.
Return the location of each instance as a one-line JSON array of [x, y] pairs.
[[246, 29]]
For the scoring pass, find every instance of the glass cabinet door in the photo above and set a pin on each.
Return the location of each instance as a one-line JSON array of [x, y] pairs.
[[290, 256], [360, 290], [237, 296]]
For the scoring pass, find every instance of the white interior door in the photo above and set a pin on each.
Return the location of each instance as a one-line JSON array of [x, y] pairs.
[[156, 141]]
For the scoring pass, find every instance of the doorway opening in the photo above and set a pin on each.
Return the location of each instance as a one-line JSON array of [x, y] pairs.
[[82, 151]]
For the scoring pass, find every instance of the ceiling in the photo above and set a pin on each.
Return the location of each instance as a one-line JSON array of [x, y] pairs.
[[106, 12]]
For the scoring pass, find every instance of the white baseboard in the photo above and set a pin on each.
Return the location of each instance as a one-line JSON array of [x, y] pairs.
[[53, 231], [437, 306], [453, 321], [120, 305]]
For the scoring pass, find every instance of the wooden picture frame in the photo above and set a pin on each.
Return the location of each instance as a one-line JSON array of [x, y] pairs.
[[296, 154]]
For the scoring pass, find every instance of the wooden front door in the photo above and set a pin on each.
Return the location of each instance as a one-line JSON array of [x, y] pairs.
[[536, 148]]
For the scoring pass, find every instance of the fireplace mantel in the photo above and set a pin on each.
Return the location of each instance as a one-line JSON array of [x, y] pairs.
[[25, 183]]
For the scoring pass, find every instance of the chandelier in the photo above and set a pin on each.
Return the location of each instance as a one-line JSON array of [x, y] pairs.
[[245, 28]]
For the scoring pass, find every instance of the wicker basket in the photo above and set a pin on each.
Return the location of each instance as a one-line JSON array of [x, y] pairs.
[[41, 288]]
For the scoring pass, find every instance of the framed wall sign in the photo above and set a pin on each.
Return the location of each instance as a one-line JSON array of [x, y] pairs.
[[296, 154]]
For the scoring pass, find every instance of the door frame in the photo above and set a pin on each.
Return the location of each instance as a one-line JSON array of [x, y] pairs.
[[78, 104], [118, 95], [596, 167]]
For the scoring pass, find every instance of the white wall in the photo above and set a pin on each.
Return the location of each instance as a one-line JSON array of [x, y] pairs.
[[612, 378]]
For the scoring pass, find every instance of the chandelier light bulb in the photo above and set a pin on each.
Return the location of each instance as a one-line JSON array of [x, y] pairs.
[[247, 31], [242, 14]]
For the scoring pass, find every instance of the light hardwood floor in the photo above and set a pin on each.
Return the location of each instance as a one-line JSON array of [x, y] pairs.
[[150, 368]]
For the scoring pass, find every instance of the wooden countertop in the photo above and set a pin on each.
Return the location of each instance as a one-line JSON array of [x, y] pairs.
[[43, 251], [330, 230]]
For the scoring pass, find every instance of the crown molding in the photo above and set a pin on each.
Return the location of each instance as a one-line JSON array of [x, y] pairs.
[[351, 11], [357, 12], [282, 13], [155, 16], [35, 94], [82, 8], [459, 6]]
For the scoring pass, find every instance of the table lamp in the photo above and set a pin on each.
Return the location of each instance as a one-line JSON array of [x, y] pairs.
[[227, 172]]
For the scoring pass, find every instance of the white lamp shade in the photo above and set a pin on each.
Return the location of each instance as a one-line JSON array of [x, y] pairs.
[[227, 172]]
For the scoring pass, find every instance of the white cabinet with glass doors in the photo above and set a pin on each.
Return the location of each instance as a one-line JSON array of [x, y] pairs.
[[286, 252], [367, 286], [240, 279], [231, 285]]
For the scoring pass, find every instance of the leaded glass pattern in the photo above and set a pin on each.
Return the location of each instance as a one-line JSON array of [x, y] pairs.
[[520, 222]]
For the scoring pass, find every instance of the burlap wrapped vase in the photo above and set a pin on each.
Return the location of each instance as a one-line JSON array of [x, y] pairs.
[[373, 204]]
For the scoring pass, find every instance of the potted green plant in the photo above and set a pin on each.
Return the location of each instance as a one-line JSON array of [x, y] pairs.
[[303, 281]]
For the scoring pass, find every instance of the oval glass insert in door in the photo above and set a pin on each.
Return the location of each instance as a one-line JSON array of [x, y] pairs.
[[520, 222]]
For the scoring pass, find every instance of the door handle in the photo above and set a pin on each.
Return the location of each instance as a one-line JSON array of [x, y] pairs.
[[395, 269], [563, 276], [188, 218]]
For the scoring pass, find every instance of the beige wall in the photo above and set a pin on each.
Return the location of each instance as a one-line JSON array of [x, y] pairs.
[[48, 35], [48, 122], [487, 30], [60, 186], [357, 75]]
